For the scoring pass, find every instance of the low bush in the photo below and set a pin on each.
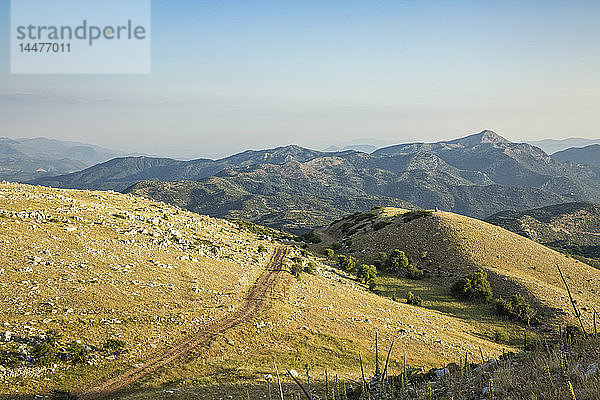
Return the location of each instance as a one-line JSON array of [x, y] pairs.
[[379, 225], [79, 352], [311, 237], [310, 268], [516, 308], [62, 395], [413, 215], [52, 337], [366, 274], [44, 353], [473, 287], [501, 336], [114, 346], [413, 272], [413, 299]]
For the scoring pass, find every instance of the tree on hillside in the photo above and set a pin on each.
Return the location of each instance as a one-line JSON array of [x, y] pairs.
[[397, 261], [348, 263], [473, 287], [366, 274], [381, 260]]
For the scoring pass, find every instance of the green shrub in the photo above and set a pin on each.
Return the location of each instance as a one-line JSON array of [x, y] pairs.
[[397, 261], [52, 337], [361, 217], [413, 272], [310, 268], [516, 308], [261, 248], [346, 226], [62, 395], [379, 225], [501, 336], [347, 263], [329, 253], [336, 246], [473, 287], [413, 215], [311, 237], [114, 346], [296, 270], [10, 360], [44, 353], [413, 299], [79, 352], [366, 274]]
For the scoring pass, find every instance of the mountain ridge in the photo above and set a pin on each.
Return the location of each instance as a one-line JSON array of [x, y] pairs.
[[27, 159], [478, 175]]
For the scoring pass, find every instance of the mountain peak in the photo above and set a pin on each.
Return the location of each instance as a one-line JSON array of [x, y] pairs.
[[486, 136]]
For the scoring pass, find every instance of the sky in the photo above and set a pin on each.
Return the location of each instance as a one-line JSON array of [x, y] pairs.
[[234, 75]]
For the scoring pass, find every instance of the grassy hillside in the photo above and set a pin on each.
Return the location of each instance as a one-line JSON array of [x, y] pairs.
[[448, 246], [94, 266]]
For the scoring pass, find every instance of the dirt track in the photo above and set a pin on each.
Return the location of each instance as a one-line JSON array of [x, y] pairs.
[[252, 303]]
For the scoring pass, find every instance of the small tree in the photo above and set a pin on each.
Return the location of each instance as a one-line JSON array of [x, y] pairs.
[[296, 270], [381, 260], [413, 299], [261, 248], [347, 264], [366, 274], [413, 272], [397, 261], [473, 287]]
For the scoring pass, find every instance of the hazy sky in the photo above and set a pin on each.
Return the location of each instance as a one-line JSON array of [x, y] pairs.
[[231, 75]]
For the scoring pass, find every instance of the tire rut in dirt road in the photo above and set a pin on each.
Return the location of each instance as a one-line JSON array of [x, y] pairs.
[[254, 301]]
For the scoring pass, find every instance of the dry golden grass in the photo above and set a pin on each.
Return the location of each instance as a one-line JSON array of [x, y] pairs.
[[450, 245], [98, 265]]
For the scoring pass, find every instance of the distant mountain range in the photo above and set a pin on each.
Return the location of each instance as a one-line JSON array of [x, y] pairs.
[[297, 188], [27, 159], [580, 155], [365, 148], [551, 146]]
